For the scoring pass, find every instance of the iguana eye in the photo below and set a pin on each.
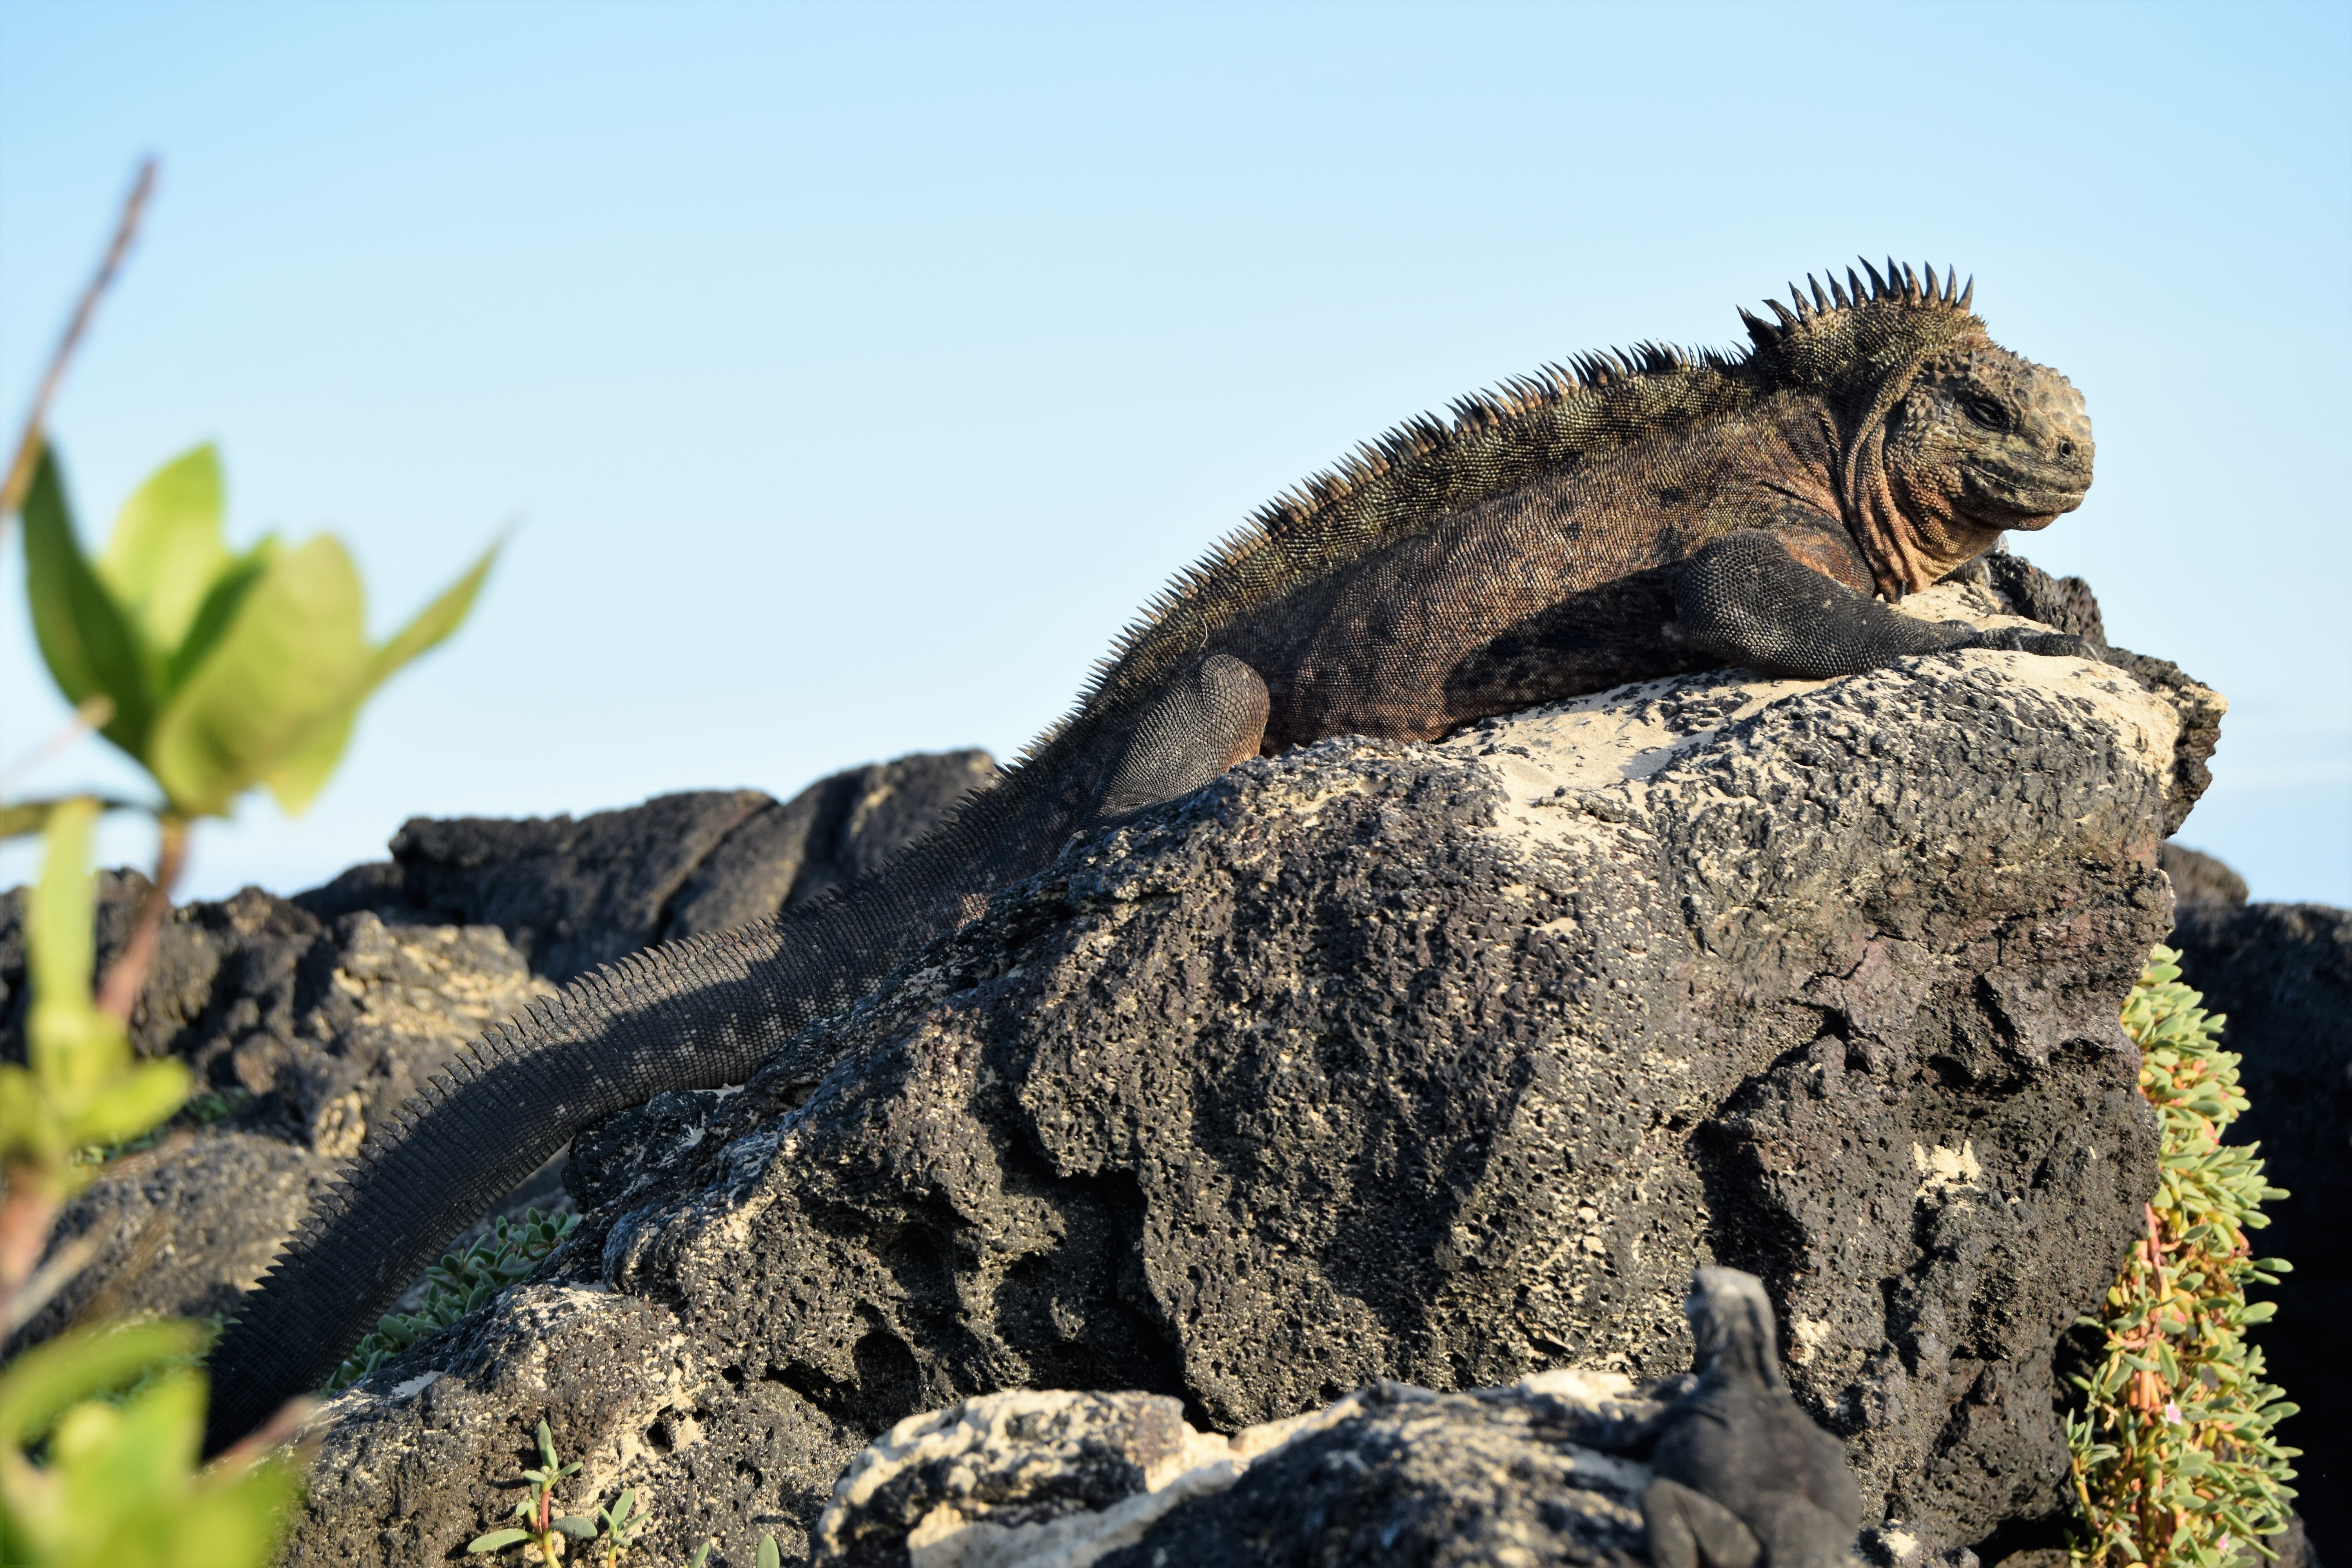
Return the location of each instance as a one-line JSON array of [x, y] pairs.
[[1985, 411]]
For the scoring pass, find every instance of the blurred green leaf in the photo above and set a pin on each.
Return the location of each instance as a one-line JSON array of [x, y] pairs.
[[92, 649], [166, 550], [83, 1363], [19, 817], [57, 922], [218, 609], [145, 1097], [120, 1487], [433, 623], [293, 659], [311, 761]]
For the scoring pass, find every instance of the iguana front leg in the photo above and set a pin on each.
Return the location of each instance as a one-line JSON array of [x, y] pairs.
[[1202, 724], [1748, 598]]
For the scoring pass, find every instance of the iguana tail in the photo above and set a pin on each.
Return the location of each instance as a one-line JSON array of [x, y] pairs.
[[695, 1015], [698, 1014]]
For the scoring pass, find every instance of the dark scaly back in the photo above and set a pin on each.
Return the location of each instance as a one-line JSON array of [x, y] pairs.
[[1858, 346]]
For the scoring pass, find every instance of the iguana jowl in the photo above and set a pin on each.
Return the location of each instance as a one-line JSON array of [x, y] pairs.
[[1629, 516]]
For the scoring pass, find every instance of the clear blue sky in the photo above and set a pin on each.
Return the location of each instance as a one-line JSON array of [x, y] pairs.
[[854, 371]]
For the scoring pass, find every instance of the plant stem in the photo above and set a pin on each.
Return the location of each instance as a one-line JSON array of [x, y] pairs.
[[28, 445], [126, 977], [25, 1217]]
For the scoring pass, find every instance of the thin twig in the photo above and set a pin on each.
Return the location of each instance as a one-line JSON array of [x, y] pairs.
[[126, 977], [28, 445], [47, 1280], [261, 1439], [25, 1216]]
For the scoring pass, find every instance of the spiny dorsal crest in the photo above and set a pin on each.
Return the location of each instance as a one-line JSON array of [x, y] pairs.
[[1430, 466], [1854, 332]]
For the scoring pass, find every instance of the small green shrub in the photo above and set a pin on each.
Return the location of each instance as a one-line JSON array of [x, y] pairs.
[[460, 1282], [545, 1530], [2173, 1456]]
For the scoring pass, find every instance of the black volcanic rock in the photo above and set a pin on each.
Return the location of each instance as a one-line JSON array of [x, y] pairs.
[[307, 1020], [572, 894], [1439, 1065]]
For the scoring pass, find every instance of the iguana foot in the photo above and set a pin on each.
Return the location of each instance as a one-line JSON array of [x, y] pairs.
[[2049, 645], [1203, 724], [1748, 599]]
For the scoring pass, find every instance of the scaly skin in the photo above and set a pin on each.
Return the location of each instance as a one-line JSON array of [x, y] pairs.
[[1745, 1480], [1634, 516]]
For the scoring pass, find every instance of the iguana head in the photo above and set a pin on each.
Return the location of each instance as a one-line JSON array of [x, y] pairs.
[[1946, 438], [1731, 1326], [1984, 441]]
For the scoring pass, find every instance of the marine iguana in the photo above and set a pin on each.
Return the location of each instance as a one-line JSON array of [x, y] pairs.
[[1627, 515], [1745, 1480]]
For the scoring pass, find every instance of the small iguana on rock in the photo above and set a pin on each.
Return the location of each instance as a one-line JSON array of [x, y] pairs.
[[1745, 1480], [1632, 515]]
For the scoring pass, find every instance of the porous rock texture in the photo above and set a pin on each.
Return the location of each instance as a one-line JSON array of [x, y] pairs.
[[1438, 1064], [308, 1019], [2283, 974], [1546, 1470]]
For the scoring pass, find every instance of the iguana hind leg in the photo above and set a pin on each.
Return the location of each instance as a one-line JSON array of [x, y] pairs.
[[1690, 1530], [1746, 597], [1202, 725]]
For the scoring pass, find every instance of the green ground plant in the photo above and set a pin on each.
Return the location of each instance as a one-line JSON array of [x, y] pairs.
[[217, 672], [544, 1532], [2174, 1459], [460, 1282]]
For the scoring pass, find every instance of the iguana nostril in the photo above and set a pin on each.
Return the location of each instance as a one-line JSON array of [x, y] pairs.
[[2065, 449]]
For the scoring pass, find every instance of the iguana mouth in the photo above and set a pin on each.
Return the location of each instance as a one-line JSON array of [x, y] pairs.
[[2007, 500]]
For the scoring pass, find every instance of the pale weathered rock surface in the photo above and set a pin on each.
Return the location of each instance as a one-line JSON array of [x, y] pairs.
[[1441, 1065], [1543, 1471]]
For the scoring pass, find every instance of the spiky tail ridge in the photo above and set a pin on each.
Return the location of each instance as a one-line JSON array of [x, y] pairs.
[[698, 1014]]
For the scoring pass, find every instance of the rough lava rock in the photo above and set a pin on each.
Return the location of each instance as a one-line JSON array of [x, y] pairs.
[[1545, 1471], [310, 1019], [572, 894], [1431, 1064], [306, 1032]]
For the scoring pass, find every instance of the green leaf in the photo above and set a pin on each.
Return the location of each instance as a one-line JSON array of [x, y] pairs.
[[166, 550], [58, 925], [82, 1363], [436, 621], [292, 661], [217, 611], [22, 817], [572, 1525], [498, 1541], [701, 1555], [90, 647], [769, 1556], [310, 760], [144, 1097]]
